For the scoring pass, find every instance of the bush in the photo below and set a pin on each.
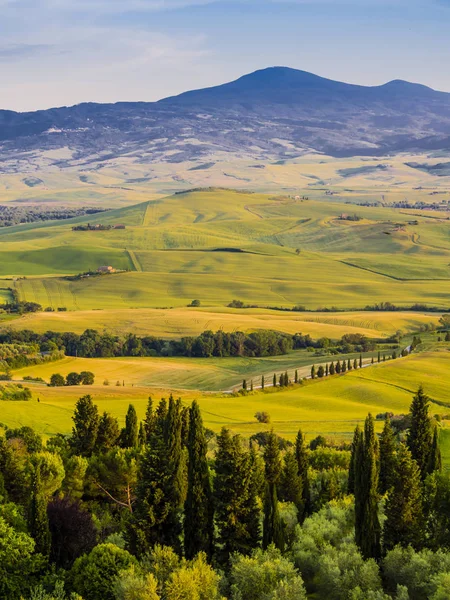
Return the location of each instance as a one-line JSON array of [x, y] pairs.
[[262, 417], [57, 380]]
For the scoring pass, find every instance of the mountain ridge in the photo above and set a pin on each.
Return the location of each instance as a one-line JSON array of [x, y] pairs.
[[270, 114]]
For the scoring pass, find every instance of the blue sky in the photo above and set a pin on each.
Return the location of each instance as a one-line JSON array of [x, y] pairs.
[[62, 52]]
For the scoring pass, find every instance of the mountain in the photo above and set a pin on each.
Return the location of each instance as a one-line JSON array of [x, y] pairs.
[[271, 114]]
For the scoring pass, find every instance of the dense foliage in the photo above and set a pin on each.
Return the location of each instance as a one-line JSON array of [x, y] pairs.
[[158, 510]]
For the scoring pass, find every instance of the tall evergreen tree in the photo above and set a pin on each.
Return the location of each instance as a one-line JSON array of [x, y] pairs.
[[149, 418], [291, 484], [244, 384], [367, 525], [274, 382], [379, 356], [37, 516], [388, 457], [313, 372], [404, 522], [107, 434], [130, 433], [232, 490], [320, 372], [262, 382], [349, 365], [296, 376], [360, 361], [357, 440], [286, 379], [332, 368], [338, 367], [355, 364], [301, 455], [142, 437], [272, 526], [435, 459], [198, 508], [85, 429], [344, 366], [326, 370], [420, 435]]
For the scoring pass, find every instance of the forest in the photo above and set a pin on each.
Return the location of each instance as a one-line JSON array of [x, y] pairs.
[[165, 509]]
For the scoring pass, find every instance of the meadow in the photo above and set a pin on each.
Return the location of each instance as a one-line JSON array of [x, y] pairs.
[[331, 406]]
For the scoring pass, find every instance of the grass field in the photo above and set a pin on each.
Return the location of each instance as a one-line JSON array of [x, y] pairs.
[[217, 245], [332, 406], [178, 322]]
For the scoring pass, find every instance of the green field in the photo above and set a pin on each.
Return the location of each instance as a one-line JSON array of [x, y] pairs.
[[331, 406], [217, 245]]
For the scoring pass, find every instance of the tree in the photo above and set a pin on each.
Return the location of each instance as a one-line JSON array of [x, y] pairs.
[[85, 429], [19, 565], [296, 376], [272, 526], [87, 378], [262, 382], [320, 372], [327, 371], [332, 369], [37, 516], [301, 456], [94, 575], [72, 529], [108, 433], [274, 383], [404, 512], [338, 367], [379, 356], [149, 419], [388, 460], [313, 372], [356, 446], [244, 384], [129, 436], [344, 366], [233, 496], [355, 364], [420, 436], [367, 526], [360, 361], [114, 474], [198, 509], [435, 459], [73, 379], [57, 380], [349, 365], [291, 484], [132, 585]]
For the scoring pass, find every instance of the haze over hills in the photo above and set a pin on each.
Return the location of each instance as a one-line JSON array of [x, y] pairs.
[[273, 114]]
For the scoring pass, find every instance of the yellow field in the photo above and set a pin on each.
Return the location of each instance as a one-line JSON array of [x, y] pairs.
[[179, 322]]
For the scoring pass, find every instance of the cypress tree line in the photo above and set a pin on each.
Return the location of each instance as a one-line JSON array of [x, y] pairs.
[[37, 516], [404, 513], [272, 526], [131, 431], [301, 456], [236, 507], [367, 525], [419, 438], [198, 508], [388, 457]]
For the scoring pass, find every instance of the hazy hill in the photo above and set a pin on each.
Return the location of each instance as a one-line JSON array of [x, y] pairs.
[[271, 114]]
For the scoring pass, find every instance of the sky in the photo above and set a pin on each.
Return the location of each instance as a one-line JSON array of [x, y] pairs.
[[63, 52]]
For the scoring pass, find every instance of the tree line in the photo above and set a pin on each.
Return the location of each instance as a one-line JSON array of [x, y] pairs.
[[164, 509], [94, 344]]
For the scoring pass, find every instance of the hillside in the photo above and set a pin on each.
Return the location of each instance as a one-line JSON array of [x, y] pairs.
[[269, 115]]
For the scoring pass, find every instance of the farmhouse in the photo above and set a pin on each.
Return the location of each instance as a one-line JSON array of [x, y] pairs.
[[106, 269]]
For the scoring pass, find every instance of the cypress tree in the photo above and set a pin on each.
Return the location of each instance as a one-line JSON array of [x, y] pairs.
[[198, 508], [332, 369], [388, 457], [301, 456], [313, 372], [379, 356], [232, 490], [37, 516], [130, 433], [85, 429], [373, 360], [447, 336], [344, 366], [251, 385], [349, 365], [274, 380], [338, 367], [286, 379], [149, 418], [142, 438], [296, 376], [320, 372], [420, 436], [384, 357], [360, 361], [244, 384], [367, 525], [354, 449], [435, 459], [108, 433], [184, 426], [291, 484], [262, 382], [404, 512], [355, 364], [281, 380], [272, 526], [326, 370]]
